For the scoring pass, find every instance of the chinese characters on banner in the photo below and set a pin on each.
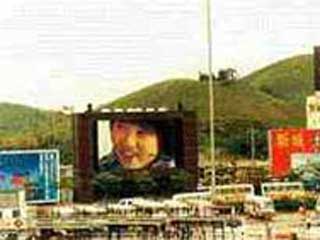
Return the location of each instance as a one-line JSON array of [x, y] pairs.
[[284, 142]]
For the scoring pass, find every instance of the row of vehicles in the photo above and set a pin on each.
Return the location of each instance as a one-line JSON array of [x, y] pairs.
[[244, 195], [241, 196], [225, 195]]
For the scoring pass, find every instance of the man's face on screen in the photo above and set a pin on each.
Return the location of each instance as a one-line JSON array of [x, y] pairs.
[[136, 145]]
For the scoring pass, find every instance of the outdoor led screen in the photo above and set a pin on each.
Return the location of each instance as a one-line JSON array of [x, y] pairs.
[[126, 154], [134, 145], [36, 171], [139, 157]]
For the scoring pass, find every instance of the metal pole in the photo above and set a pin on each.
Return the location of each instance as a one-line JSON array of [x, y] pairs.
[[211, 100]]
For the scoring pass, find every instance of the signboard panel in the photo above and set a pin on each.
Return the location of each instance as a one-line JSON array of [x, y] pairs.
[[37, 171], [285, 142]]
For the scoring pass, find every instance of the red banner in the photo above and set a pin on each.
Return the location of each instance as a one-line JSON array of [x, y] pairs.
[[284, 142]]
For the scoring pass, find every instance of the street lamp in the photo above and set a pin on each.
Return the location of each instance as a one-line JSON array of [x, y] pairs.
[[211, 99]]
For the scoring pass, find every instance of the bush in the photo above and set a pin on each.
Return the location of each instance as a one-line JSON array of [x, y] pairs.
[[163, 183], [287, 205], [108, 183]]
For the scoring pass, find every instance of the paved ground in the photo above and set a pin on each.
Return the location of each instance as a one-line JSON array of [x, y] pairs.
[[278, 228]]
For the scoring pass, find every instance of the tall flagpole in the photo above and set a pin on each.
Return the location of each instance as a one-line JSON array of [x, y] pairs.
[[211, 99]]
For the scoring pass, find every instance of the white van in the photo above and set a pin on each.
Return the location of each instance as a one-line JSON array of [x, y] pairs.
[[259, 207]]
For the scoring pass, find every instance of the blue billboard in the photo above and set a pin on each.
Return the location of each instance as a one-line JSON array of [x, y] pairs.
[[36, 171]]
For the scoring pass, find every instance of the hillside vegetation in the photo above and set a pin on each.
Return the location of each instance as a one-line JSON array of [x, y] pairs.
[[23, 127], [275, 94], [236, 101], [290, 79]]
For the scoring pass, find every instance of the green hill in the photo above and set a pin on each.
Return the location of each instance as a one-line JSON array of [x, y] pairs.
[[23, 127], [271, 97], [289, 80], [274, 94], [236, 101]]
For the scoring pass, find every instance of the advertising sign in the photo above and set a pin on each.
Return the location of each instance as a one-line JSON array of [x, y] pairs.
[[36, 171], [285, 142]]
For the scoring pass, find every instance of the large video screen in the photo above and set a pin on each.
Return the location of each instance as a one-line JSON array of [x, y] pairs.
[[136, 145], [140, 153], [139, 157], [35, 171]]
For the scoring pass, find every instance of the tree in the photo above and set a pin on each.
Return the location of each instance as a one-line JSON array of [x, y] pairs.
[[227, 75], [204, 77], [109, 183], [157, 182], [180, 180]]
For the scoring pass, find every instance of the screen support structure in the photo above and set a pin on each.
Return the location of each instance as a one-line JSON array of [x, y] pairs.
[[211, 98]]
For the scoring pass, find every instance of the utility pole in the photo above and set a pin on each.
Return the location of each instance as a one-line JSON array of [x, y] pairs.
[[211, 99]]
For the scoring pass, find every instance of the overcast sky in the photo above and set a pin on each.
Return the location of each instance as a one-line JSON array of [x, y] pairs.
[[71, 52]]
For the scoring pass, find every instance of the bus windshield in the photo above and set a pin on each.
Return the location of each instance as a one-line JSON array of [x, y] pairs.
[[243, 189], [275, 187]]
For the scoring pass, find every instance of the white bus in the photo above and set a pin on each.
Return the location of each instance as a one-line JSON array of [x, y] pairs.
[[280, 187], [221, 190], [192, 196], [235, 189]]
